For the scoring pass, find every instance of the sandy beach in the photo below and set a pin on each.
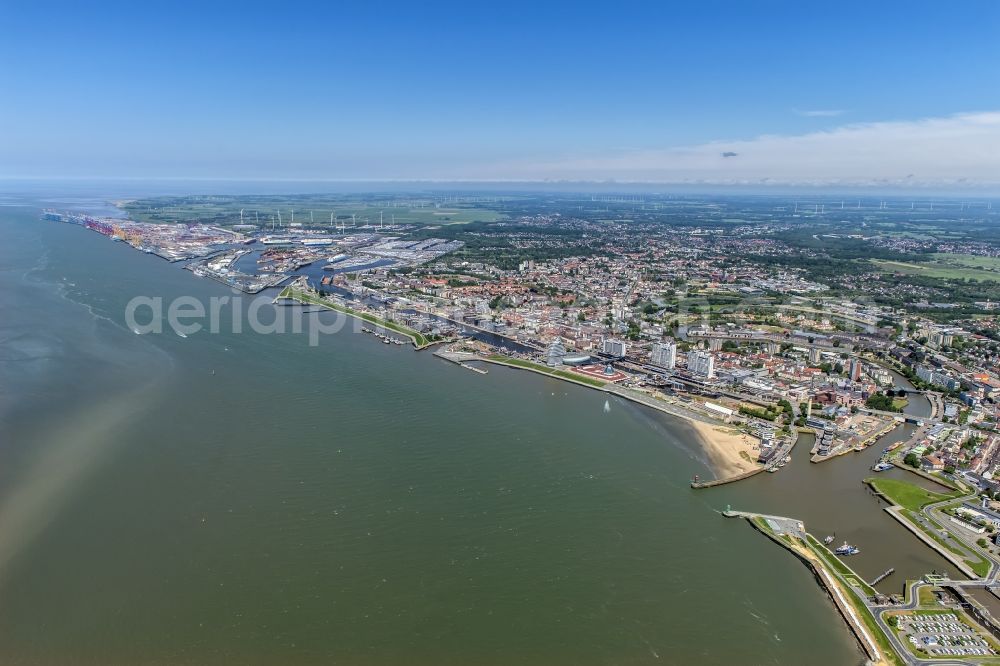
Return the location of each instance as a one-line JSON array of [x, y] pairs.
[[730, 451]]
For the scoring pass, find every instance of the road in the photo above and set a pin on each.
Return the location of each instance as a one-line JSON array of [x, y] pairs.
[[928, 513]]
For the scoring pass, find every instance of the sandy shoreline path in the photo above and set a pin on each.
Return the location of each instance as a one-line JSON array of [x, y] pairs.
[[730, 451]]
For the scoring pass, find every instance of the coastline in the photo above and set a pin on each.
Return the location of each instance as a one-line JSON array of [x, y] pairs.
[[292, 294], [728, 450], [725, 447]]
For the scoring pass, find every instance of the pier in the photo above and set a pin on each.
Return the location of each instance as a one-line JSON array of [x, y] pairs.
[[729, 479], [885, 574]]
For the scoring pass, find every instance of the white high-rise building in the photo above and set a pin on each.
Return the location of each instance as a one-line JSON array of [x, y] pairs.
[[664, 355], [701, 364], [556, 353], [614, 347]]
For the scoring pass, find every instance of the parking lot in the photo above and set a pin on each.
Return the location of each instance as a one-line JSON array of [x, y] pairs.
[[943, 634]]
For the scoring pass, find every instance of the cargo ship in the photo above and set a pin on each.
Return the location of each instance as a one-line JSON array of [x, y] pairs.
[[275, 240]]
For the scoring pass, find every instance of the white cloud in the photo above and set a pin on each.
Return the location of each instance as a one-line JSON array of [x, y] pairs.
[[820, 113], [959, 150]]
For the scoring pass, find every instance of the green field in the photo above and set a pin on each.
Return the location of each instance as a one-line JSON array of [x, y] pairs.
[[970, 261], [947, 266], [907, 495], [312, 210]]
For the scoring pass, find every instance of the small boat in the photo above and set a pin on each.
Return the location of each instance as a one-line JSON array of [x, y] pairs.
[[881, 466], [772, 469], [828, 540], [181, 334], [136, 331], [847, 549]]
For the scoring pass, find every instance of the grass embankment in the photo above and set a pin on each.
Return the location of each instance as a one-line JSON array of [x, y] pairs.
[[834, 562], [912, 498], [537, 367], [979, 566], [907, 495], [418, 338], [852, 582], [847, 580]]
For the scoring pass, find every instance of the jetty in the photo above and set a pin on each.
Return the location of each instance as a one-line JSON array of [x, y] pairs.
[[885, 574]]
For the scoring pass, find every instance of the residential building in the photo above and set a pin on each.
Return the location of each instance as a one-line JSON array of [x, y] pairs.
[[701, 364], [664, 355]]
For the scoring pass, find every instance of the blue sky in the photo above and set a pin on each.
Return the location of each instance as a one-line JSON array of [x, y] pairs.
[[632, 91]]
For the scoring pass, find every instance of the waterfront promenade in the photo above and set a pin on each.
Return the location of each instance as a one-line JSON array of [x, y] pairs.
[[725, 446], [296, 295]]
